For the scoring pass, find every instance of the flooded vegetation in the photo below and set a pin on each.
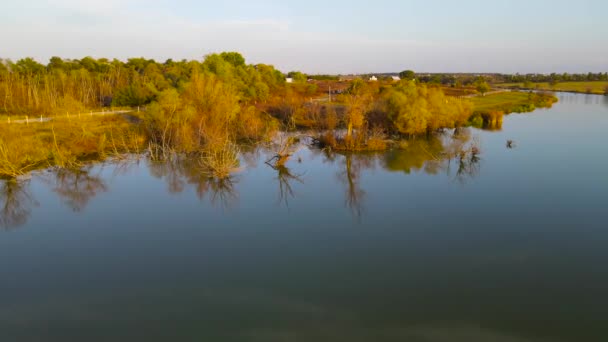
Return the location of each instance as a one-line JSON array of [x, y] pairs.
[[366, 172], [247, 206], [319, 242], [207, 110]]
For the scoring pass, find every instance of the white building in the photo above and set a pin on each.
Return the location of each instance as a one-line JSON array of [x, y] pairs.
[[289, 80], [396, 78], [373, 79]]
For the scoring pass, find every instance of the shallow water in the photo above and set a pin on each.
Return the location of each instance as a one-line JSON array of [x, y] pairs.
[[383, 247]]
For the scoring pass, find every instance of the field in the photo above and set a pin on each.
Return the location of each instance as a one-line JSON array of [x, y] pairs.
[[458, 91], [499, 101], [596, 87]]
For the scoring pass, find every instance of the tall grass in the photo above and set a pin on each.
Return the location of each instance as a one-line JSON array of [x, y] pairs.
[[65, 144]]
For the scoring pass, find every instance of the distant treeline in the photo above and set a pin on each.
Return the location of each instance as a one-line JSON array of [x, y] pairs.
[[324, 77], [469, 79], [565, 77]]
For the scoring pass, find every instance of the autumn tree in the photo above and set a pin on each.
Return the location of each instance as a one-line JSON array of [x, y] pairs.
[[357, 99]]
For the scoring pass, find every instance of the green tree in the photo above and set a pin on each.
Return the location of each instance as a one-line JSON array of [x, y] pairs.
[[482, 86], [29, 66], [407, 75], [417, 109], [297, 76], [234, 58], [56, 63]]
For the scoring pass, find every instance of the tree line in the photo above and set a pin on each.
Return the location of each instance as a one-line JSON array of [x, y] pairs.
[[27, 86], [554, 77]]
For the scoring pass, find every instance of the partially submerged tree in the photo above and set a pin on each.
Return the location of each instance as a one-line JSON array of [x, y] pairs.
[[358, 100]]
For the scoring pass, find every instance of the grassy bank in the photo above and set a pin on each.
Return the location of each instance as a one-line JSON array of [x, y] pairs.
[[65, 143], [594, 87], [488, 110], [512, 102]]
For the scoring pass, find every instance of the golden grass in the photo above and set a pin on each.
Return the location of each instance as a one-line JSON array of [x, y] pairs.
[[499, 101], [64, 142]]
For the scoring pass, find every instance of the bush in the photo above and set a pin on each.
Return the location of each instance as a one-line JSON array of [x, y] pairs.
[[415, 109], [221, 160], [476, 121]]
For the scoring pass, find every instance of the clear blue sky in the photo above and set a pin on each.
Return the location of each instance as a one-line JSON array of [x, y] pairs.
[[320, 36]]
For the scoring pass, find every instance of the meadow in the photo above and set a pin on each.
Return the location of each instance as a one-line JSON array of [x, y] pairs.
[[590, 87]]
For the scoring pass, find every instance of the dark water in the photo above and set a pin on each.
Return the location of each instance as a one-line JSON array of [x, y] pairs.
[[403, 246]]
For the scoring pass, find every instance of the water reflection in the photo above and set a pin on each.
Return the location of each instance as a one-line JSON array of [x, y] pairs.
[[350, 176], [16, 203], [285, 179], [76, 187], [453, 152], [437, 154], [180, 172]]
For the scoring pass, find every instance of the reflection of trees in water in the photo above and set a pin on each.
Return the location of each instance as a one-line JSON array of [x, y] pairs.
[[351, 166], [438, 153], [351, 177], [285, 179], [420, 154], [76, 187], [179, 172], [221, 192], [16, 202], [171, 170], [432, 155], [251, 155]]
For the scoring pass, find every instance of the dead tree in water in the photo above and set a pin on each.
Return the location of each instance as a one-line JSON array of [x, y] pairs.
[[286, 148]]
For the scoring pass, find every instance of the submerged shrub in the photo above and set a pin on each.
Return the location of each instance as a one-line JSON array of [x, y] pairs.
[[221, 160], [492, 119]]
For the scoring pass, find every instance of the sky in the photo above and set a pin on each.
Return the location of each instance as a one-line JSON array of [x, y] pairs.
[[320, 36]]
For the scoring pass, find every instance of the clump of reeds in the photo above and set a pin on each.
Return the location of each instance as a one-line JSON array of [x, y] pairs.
[[61, 157], [9, 167], [220, 160], [18, 157]]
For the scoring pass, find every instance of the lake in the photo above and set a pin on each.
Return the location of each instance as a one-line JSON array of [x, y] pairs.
[[397, 246]]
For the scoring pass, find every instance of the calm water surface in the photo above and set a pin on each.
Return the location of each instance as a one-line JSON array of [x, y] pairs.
[[401, 246]]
